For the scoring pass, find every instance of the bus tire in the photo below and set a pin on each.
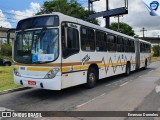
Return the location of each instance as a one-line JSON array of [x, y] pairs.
[[91, 78], [145, 66], [128, 69]]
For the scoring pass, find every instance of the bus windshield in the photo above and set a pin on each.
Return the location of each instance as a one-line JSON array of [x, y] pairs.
[[36, 46]]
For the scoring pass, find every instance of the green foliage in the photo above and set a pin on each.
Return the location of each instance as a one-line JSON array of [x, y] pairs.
[[123, 28], [6, 49], [72, 8], [6, 78], [156, 50]]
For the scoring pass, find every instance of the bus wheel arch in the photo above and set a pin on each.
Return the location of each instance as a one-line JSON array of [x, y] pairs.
[[92, 76]]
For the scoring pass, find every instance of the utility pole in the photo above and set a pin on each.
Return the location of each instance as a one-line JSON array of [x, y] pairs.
[[90, 5], [143, 30], [118, 27], [107, 18]]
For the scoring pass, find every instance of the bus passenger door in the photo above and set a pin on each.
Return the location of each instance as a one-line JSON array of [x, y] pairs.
[[70, 55]]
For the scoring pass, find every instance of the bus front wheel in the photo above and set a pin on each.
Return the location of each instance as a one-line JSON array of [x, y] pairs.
[[91, 78]]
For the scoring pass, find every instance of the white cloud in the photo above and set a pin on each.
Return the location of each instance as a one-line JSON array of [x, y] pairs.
[[33, 9], [138, 17], [3, 21]]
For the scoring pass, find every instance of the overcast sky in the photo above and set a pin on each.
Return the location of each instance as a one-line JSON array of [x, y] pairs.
[[138, 17]]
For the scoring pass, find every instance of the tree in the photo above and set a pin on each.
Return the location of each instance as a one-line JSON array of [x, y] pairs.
[[123, 28], [6, 49], [72, 8], [156, 50]]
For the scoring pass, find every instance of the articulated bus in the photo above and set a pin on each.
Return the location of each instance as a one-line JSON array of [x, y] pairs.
[[55, 51]]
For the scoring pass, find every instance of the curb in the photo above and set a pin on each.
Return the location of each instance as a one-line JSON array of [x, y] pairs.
[[13, 90]]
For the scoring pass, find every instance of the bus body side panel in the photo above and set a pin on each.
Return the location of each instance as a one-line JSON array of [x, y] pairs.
[[132, 59], [71, 71]]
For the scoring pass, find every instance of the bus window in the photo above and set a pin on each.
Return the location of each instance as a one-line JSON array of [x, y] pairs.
[[131, 46], [148, 48], [111, 42], [142, 47], [87, 39], [120, 47], [71, 44], [126, 45], [101, 43]]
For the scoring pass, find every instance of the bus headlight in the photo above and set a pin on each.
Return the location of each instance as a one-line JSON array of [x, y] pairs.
[[16, 72], [52, 73]]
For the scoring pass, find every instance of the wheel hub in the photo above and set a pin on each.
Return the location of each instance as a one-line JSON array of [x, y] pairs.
[[92, 77]]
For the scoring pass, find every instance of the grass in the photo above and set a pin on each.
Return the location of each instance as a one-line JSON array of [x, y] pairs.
[[6, 78], [154, 59]]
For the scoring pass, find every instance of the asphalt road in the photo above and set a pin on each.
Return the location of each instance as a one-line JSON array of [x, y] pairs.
[[138, 92]]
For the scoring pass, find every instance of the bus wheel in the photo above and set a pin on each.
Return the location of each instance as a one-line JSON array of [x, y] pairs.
[[128, 69], [145, 66], [91, 78]]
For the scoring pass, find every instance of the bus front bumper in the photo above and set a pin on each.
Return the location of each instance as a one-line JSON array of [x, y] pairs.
[[50, 84]]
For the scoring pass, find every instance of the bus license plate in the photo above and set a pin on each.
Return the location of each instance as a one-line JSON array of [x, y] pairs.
[[31, 82]]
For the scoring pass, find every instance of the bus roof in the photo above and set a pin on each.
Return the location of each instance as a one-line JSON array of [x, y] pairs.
[[85, 23]]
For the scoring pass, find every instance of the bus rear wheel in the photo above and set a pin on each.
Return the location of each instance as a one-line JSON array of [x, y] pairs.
[[145, 66], [128, 69], [91, 78]]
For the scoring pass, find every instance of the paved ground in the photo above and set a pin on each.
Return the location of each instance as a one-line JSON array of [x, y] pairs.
[[139, 92]]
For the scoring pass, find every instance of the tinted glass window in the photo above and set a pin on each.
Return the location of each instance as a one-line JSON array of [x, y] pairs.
[[126, 45], [120, 44], [38, 22], [87, 39], [111, 42], [101, 41], [142, 47], [72, 38], [71, 45], [148, 48], [130, 45]]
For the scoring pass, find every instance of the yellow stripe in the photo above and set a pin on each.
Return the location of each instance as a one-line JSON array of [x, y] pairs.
[[84, 67], [66, 69], [38, 69], [101, 65], [77, 67]]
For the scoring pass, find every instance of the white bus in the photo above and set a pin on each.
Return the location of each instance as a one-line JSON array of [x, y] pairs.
[[55, 51]]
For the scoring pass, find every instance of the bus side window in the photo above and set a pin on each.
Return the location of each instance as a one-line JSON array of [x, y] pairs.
[[87, 39], [111, 42], [126, 48], [70, 46], [120, 44], [101, 43]]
